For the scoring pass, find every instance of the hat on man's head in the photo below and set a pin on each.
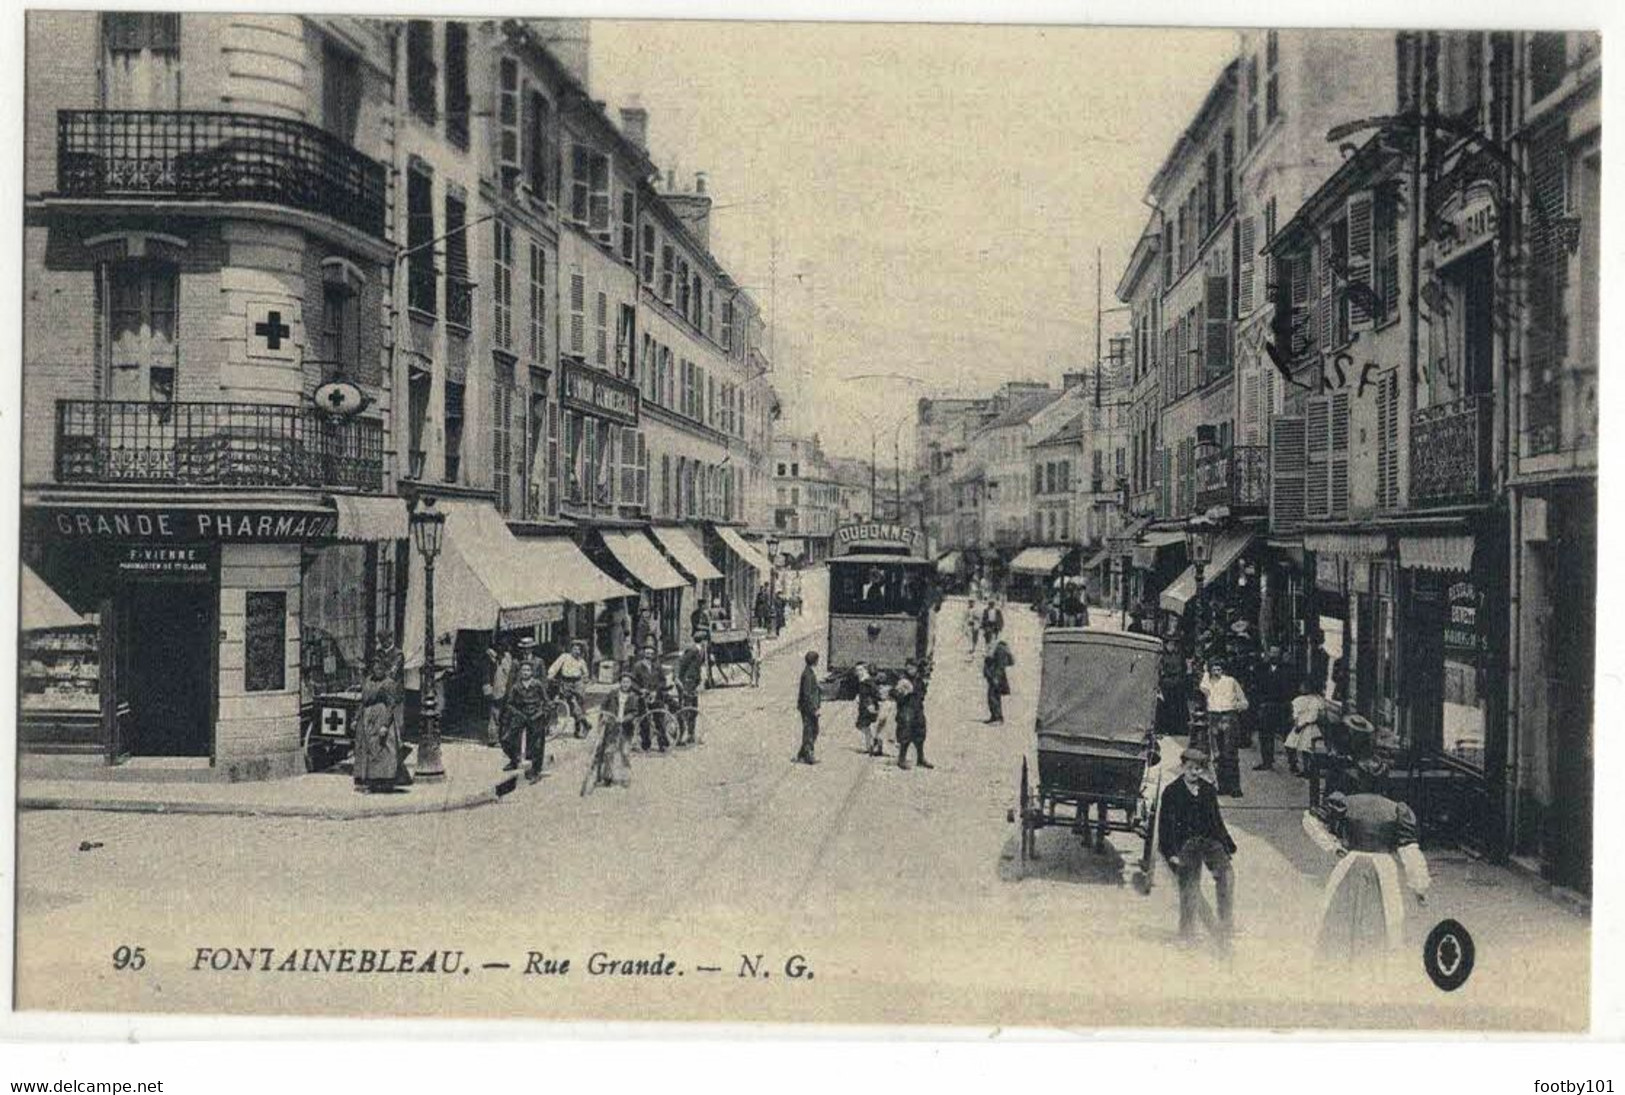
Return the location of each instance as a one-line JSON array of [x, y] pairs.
[[527, 642], [1192, 753], [1239, 627], [1359, 724]]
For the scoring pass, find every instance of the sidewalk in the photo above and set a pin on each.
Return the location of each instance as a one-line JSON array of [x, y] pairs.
[[474, 777]]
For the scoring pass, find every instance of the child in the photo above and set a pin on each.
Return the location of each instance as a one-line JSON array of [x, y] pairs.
[[885, 718], [1304, 744]]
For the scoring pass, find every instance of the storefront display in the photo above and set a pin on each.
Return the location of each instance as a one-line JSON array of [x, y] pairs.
[[61, 671]]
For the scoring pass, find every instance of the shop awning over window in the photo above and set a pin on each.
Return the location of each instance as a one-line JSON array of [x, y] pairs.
[[370, 518], [1037, 560], [1098, 558], [1145, 552], [1122, 542], [1354, 545], [1452, 552], [1226, 550], [637, 553], [688, 555], [745, 550], [40, 609], [486, 578], [950, 563]]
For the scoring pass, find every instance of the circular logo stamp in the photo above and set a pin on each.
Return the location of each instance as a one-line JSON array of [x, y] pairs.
[[1448, 955]]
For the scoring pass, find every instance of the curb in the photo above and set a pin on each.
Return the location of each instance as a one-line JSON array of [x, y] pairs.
[[230, 809]]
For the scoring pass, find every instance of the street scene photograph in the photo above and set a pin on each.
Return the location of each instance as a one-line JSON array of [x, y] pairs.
[[922, 525]]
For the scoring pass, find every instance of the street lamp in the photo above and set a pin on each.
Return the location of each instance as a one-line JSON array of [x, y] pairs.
[[772, 545], [428, 528], [1199, 533]]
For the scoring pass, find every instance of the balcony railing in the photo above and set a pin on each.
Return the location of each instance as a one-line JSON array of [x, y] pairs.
[[215, 444], [1450, 452], [200, 155], [1238, 477]]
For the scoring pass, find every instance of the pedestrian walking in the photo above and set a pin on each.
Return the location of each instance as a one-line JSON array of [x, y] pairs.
[[868, 705], [992, 623], [1191, 834], [995, 671], [689, 667], [376, 763], [1276, 686], [973, 626], [885, 715], [1306, 745], [1173, 712], [618, 717], [1362, 914], [1226, 702], [809, 697], [525, 717], [911, 721], [496, 690]]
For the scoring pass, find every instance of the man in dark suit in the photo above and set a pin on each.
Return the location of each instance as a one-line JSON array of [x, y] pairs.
[[689, 668], [1191, 833], [809, 698]]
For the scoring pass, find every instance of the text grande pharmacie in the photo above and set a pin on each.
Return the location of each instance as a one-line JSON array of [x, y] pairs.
[[388, 960]]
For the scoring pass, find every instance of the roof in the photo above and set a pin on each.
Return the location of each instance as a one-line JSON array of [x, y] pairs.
[[1224, 85], [1022, 408], [1374, 157], [1150, 243], [1069, 430]]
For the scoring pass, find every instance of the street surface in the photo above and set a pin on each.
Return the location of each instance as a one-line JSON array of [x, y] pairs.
[[899, 890]]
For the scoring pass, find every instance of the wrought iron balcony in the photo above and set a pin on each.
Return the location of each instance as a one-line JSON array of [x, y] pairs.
[[1450, 452], [215, 444], [1238, 477], [201, 155]]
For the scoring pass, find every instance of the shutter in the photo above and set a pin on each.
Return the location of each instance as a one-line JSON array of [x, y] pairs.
[[529, 154], [1359, 256], [1324, 319], [1248, 245], [1250, 386], [1288, 465], [1390, 434], [1303, 335], [1338, 454], [1318, 483]]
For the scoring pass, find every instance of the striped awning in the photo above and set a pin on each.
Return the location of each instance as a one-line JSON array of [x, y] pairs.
[[370, 518], [1354, 545], [745, 550], [1450, 552], [1145, 552], [949, 563], [686, 553], [1037, 560], [1228, 549], [40, 609], [642, 559]]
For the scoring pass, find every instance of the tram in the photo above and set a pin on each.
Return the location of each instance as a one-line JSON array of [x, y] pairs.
[[882, 596]]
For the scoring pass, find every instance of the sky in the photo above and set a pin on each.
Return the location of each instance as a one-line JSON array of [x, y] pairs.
[[917, 200]]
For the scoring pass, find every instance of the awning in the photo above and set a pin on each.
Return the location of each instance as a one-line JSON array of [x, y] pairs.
[[637, 553], [1145, 552], [1098, 558], [687, 554], [745, 550], [40, 609], [1037, 560], [1355, 545], [1451, 552], [485, 578], [1226, 551], [949, 563], [370, 518], [1122, 542]]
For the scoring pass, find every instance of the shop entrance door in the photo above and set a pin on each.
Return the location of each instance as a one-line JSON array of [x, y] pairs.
[[166, 672], [1424, 662]]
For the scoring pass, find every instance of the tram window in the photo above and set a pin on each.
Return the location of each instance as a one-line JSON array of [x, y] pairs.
[[875, 591]]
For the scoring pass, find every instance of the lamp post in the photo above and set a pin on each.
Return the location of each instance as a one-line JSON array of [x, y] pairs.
[[1199, 544], [428, 527], [772, 545]]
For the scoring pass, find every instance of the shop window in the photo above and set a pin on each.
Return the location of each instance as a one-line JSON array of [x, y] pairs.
[[265, 641], [336, 618], [142, 68]]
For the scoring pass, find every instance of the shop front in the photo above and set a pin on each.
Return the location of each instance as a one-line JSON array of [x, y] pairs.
[[194, 622], [684, 550], [744, 569], [634, 560]]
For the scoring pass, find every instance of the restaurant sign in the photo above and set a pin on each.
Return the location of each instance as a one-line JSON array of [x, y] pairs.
[[600, 394], [227, 525]]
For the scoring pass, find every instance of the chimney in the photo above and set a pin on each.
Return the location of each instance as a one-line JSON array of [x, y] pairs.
[[635, 124], [699, 182], [694, 209], [1073, 380], [671, 180]]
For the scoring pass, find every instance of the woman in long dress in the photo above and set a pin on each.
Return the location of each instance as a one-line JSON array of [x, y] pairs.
[[377, 762], [1362, 915]]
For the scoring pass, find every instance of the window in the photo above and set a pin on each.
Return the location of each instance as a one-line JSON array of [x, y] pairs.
[[667, 258], [502, 287], [541, 159], [711, 313], [629, 228], [1228, 169], [625, 341], [665, 484], [1548, 62], [508, 120], [727, 324], [502, 411], [341, 331], [601, 330], [341, 92], [265, 641], [143, 69], [589, 191], [454, 431], [1252, 102], [578, 315], [142, 299], [459, 295], [1338, 262], [457, 84], [420, 271], [1210, 193], [420, 68], [684, 289], [538, 302]]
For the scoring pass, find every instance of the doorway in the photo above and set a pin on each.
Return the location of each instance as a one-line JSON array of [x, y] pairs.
[[166, 673]]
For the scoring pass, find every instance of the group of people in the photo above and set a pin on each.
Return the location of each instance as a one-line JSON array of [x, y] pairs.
[[1065, 605], [986, 625], [888, 705]]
